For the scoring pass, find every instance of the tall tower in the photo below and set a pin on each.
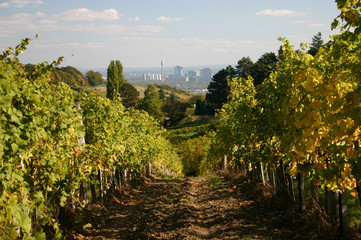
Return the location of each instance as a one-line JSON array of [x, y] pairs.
[[162, 64]]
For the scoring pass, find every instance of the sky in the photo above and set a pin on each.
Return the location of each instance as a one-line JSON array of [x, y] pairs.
[[139, 33]]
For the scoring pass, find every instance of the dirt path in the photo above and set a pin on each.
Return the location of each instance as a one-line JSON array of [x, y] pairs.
[[197, 208]]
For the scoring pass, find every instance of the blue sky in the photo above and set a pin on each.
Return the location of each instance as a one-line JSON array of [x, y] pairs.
[[90, 33]]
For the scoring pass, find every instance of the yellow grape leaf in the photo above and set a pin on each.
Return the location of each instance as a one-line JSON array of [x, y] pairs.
[[294, 100], [298, 124], [310, 84], [315, 104], [310, 144], [299, 79], [349, 152], [308, 132]]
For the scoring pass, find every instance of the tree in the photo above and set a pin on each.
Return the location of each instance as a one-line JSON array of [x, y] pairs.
[[280, 52], [76, 74], [162, 94], [201, 107], [29, 68], [69, 75], [193, 100], [218, 88], [115, 79], [263, 67], [316, 44], [151, 102], [174, 108], [94, 78], [244, 67], [129, 95]]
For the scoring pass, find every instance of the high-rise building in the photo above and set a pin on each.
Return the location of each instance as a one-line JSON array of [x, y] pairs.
[[206, 74], [178, 72], [193, 76]]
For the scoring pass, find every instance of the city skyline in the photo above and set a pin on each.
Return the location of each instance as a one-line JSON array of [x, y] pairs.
[[89, 33], [191, 75]]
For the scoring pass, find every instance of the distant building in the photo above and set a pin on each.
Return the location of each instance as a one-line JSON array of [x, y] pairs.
[[206, 74], [193, 76], [152, 77], [178, 73]]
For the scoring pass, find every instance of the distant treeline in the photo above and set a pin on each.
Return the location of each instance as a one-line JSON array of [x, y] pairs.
[[72, 76]]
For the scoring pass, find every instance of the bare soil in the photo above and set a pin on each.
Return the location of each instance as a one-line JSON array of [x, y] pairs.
[[212, 207]]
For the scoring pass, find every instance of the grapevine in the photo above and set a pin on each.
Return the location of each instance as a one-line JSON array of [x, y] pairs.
[[305, 116], [43, 166]]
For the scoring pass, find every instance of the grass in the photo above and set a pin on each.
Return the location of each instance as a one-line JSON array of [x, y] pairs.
[[353, 211], [215, 181]]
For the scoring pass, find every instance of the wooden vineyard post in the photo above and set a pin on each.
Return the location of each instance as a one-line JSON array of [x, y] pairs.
[[113, 180], [262, 173], [92, 188], [281, 174], [125, 175], [343, 212], [290, 186], [301, 191], [149, 169], [83, 196], [225, 163], [117, 178], [101, 190], [331, 205], [252, 172], [266, 173], [273, 177]]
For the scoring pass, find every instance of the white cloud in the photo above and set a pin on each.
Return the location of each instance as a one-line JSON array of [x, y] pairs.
[[40, 22], [169, 19], [220, 50], [113, 28], [84, 14], [40, 14], [301, 21], [89, 45], [247, 42], [21, 19], [280, 13], [77, 27], [20, 3], [296, 40], [317, 25], [148, 29], [26, 23], [135, 19], [48, 22], [184, 51], [4, 5]]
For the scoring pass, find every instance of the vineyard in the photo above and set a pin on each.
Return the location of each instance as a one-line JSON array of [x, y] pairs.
[[297, 133], [47, 169], [303, 122]]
